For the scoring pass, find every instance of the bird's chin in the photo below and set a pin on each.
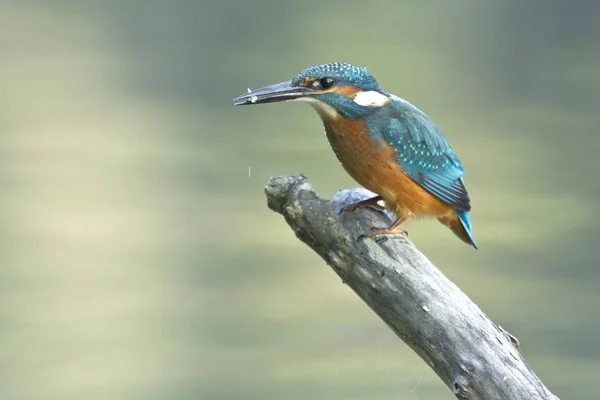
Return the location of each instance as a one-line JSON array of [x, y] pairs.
[[323, 109]]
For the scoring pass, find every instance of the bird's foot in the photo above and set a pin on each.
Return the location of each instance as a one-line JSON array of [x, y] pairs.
[[372, 202], [383, 231]]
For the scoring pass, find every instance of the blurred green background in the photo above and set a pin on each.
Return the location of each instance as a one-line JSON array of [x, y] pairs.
[[138, 259]]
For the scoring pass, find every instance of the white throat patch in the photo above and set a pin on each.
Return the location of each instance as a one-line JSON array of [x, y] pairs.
[[322, 108], [371, 99]]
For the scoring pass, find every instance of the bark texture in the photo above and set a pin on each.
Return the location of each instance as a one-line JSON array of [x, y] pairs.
[[474, 357]]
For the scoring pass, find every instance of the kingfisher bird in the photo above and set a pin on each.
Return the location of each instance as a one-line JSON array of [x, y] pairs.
[[385, 143]]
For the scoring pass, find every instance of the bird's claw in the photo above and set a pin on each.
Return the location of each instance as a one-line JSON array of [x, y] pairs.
[[372, 202], [382, 231]]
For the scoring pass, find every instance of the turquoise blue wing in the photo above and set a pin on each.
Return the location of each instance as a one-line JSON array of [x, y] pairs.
[[426, 156]]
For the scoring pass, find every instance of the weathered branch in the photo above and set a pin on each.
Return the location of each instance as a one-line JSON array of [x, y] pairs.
[[474, 357]]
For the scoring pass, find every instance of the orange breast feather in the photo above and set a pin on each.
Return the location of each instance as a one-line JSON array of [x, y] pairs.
[[373, 165]]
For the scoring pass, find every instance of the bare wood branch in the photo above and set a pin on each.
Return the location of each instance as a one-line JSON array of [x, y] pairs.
[[474, 357]]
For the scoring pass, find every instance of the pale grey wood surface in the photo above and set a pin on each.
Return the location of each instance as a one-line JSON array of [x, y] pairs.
[[473, 356]]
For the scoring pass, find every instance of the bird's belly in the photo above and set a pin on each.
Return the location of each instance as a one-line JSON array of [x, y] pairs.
[[372, 163]]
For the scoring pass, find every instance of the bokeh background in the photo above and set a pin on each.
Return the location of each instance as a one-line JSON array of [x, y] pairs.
[[138, 259]]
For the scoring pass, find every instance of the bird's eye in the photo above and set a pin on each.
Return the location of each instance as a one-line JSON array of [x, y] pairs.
[[324, 83]]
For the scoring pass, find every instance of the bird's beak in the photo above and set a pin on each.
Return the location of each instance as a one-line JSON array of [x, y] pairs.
[[280, 92]]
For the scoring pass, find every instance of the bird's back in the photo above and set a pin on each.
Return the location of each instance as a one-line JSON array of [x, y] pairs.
[[366, 155], [422, 151]]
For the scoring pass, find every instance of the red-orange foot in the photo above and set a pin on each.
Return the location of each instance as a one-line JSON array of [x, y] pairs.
[[393, 229], [364, 204], [384, 231]]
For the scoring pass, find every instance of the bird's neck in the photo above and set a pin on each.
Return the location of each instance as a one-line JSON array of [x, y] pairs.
[[333, 105]]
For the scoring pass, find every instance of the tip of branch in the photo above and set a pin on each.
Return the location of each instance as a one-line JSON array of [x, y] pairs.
[[278, 190]]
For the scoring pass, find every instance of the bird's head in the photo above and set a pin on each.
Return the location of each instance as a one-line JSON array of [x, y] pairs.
[[335, 90]]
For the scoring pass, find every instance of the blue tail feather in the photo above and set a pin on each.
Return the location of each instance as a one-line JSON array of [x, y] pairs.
[[463, 216]]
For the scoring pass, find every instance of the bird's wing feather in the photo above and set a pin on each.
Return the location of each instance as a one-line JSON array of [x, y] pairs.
[[425, 155]]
